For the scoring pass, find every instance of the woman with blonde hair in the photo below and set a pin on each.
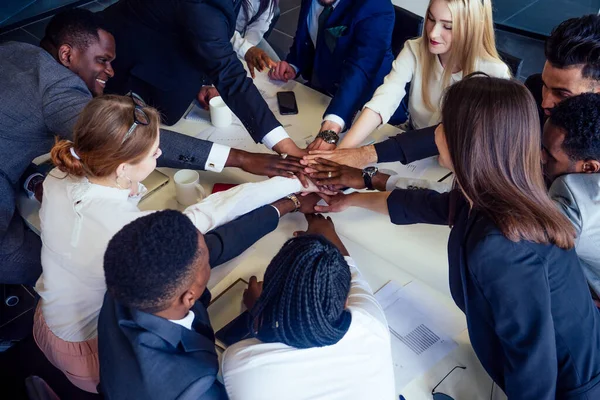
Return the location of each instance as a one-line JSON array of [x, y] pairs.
[[457, 40], [91, 194]]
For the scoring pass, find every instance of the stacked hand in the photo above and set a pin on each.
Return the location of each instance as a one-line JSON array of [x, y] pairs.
[[334, 175], [257, 59], [357, 158]]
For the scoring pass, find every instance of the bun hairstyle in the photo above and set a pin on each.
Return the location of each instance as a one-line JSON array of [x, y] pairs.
[[98, 147]]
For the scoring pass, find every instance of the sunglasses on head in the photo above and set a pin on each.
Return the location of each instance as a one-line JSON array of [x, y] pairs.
[[139, 116]]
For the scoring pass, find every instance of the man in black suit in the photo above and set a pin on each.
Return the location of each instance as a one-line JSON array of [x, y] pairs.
[[155, 339], [169, 49]]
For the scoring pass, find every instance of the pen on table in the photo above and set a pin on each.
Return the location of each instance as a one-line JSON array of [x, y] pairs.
[[402, 397]]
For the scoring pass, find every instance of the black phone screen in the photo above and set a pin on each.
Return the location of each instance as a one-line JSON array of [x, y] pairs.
[[287, 103]]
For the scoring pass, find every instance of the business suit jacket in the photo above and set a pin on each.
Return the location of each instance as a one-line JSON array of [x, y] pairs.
[[530, 317], [143, 356], [41, 99], [417, 145], [168, 49], [351, 58]]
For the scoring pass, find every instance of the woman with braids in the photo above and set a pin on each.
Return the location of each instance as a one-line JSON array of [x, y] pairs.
[[319, 332], [512, 266]]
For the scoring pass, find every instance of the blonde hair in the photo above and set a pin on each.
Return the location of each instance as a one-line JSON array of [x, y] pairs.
[[473, 38], [98, 138]]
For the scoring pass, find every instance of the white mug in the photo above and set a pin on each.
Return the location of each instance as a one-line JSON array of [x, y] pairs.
[[220, 114], [188, 190]]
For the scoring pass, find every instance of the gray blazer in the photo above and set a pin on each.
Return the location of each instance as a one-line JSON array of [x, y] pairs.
[[578, 196], [40, 99]]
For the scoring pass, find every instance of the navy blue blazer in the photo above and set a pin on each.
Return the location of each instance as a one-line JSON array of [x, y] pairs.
[[143, 356], [530, 316], [174, 47], [351, 58]]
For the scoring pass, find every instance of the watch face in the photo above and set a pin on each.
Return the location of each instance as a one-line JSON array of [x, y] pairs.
[[371, 170]]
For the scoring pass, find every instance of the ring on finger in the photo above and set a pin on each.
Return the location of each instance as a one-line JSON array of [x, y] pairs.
[[329, 174], [284, 155]]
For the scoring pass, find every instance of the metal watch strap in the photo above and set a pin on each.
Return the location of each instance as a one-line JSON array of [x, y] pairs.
[[295, 200], [329, 136]]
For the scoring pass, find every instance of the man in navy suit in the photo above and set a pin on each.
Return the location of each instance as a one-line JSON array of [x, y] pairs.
[[169, 49], [155, 339], [343, 49]]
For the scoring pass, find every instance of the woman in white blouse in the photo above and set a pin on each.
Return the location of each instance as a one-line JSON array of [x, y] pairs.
[[458, 39], [319, 332], [252, 23], [91, 195]]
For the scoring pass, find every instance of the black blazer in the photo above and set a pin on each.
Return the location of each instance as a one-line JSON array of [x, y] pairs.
[[419, 144], [143, 356], [174, 47], [530, 316]]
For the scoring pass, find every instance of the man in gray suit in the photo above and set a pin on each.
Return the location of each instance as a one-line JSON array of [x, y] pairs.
[[43, 91], [571, 156]]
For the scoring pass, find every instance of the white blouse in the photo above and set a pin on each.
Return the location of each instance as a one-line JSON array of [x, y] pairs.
[[359, 366], [78, 219], [254, 32], [408, 67]]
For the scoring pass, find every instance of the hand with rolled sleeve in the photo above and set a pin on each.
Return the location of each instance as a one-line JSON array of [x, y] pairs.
[[257, 58]]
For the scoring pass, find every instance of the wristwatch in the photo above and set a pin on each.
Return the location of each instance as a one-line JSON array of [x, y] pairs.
[[368, 174], [329, 136], [295, 200]]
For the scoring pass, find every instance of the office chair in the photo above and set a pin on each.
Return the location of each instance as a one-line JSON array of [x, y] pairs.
[[407, 26]]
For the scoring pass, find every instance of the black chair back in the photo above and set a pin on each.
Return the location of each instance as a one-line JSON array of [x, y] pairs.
[[513, 63], [407, 26]]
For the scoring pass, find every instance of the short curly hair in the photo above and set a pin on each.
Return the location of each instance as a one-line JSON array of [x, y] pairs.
[[579, 117], [77, 26], [576, 41], [152, 258]]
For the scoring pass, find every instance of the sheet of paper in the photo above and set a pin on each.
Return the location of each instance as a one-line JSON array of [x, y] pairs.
[[413, 170], [420, 336]]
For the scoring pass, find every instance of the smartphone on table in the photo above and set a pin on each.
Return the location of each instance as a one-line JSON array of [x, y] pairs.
[[287, 103]]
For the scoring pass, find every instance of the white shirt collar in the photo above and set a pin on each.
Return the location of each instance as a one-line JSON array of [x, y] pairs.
[[186, 321]]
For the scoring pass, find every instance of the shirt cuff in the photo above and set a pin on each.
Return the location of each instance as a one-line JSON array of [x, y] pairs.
[[246, 45], [275, 136], [217, 158], [278, 213], [334, 118]]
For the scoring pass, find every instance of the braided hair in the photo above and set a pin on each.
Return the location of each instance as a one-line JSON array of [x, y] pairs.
[[304, 295]]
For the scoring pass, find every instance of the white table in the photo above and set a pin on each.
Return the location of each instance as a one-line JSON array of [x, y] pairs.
[[383, 252]]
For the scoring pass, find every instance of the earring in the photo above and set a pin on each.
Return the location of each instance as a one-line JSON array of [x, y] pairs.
[[129, 183]]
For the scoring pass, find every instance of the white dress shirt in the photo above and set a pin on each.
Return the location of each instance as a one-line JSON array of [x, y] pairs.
[[78, 219], [358, 367], [254, 32], [408, 67]]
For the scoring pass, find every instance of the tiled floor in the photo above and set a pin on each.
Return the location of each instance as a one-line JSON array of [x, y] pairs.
[[540, 16]]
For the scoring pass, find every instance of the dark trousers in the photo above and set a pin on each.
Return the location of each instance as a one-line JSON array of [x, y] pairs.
[[20, 254]]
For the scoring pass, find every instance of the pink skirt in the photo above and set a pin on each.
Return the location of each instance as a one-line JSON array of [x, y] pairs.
[[77, 360]]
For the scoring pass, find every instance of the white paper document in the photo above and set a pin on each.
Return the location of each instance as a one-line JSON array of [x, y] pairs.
[[413, 170], [420, 335]]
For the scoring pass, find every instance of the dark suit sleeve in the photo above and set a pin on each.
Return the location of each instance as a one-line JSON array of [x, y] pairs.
[[62, 102], [371, 43], [183, 151], [408, 146], [419, 206], [513, 280], [206, 27], [297, 55], [232, 239], [205, 388]]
